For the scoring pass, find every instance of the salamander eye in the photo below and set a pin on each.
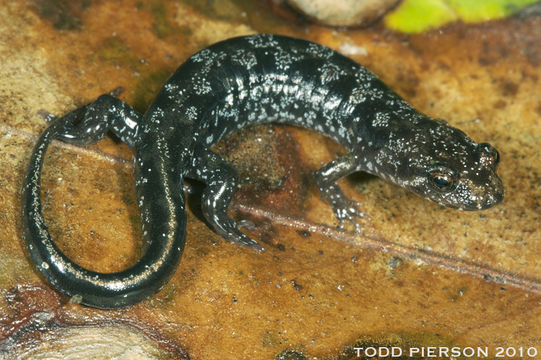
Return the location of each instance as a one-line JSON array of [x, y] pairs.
[[488, 156], [442, 178]]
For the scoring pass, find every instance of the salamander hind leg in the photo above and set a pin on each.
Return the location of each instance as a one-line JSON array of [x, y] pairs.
[[221, 179], [344, 208], [89, 123]]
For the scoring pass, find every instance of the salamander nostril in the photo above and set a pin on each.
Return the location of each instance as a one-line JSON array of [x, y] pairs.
[[488, 156]]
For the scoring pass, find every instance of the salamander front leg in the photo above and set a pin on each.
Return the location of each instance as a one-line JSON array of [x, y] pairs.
[[326, 177], [221, 179]]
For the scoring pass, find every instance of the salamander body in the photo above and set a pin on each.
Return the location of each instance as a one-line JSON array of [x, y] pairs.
[[226, 87]]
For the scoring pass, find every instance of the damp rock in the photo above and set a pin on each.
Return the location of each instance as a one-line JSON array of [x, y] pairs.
[[87, 342], [344, 12]]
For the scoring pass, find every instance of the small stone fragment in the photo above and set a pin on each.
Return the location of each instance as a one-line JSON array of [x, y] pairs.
[[344, 12]]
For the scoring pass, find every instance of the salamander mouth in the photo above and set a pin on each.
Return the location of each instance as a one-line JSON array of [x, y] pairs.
[[468, 195], [483, 197]]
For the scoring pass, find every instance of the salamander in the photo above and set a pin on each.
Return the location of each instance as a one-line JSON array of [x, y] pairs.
[[232, 84]]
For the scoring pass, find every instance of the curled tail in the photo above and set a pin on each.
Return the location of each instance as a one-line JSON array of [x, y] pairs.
[[161, 201]]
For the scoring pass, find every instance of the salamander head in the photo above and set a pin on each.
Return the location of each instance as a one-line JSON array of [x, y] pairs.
[[468, 184], [444, 165]]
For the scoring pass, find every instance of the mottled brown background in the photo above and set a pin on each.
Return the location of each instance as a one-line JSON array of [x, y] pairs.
[[421, 276]]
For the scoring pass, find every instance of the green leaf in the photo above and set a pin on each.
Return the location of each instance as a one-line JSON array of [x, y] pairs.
[[414, 16]]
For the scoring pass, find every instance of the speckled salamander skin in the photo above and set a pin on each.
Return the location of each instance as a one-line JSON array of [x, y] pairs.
[[226, 87]]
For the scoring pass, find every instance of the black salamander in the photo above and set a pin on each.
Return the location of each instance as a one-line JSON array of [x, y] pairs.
[[226, 87]]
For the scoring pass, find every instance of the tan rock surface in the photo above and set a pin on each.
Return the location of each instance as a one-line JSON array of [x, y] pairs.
[[422, 275]]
